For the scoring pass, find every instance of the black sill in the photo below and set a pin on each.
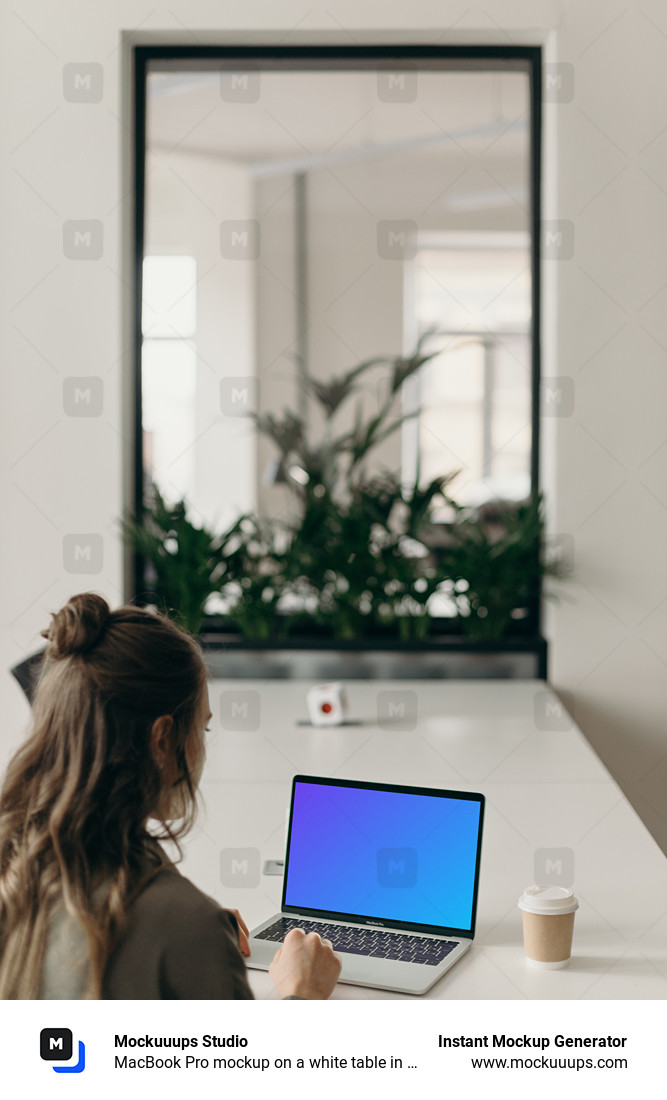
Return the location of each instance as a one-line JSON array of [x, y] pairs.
[[434, 644], [221, 646]]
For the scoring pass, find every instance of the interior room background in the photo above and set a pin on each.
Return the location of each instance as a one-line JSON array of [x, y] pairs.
[[603, 459]]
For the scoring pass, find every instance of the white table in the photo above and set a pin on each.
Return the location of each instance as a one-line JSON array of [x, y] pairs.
[[545, 788]]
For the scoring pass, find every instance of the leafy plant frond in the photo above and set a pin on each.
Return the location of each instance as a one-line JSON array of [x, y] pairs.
[[331, 394], [359, 551]]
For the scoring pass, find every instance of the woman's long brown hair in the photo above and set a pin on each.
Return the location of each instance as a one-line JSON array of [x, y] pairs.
[[77, 795]]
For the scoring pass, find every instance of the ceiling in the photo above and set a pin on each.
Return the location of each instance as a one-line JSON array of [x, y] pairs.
[[288, 121]]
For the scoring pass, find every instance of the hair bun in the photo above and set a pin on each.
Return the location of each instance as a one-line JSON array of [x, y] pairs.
[[78, 626]]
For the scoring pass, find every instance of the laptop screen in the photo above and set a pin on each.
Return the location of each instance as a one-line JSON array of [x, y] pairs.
[[406, 856]]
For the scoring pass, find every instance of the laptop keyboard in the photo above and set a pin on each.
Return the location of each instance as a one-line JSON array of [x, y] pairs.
[[366, 941]]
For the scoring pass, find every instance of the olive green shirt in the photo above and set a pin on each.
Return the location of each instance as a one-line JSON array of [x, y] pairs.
[[177, 943]]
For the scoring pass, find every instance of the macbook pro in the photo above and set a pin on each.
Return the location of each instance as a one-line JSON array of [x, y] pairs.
[[388, 873]]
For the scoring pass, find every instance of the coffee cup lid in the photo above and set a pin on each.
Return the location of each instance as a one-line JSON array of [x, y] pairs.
[[547, 900]]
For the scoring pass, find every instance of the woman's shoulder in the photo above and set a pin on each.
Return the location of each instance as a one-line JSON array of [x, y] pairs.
[[177, 942], [169, 893]]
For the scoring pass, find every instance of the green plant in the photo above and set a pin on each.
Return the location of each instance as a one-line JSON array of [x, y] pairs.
[[359, 553], [254, 580], [336, 461], [347, 543], [186, 562], [495, 562], [408, 573]]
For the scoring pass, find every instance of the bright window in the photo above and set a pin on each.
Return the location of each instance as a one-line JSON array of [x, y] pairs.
[[169, 372], [473, 292]]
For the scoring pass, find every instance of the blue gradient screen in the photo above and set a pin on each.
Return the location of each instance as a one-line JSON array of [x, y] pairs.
[[386, 854]]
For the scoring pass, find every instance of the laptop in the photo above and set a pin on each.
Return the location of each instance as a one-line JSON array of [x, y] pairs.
[[388, 873]]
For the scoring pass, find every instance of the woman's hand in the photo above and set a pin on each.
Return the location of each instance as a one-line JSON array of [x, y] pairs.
[[244, 945], [305, 966]]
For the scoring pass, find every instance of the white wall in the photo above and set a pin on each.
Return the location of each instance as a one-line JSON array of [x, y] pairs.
[[63, 318], [277, 335], [610, 494], [188, 198]]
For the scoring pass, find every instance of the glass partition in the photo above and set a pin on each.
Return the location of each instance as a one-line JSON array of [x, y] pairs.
[[304, 211]]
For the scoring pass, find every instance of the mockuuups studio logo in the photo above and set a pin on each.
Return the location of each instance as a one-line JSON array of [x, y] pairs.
[[83, 239], [558, 82], [553, 866], [239, 239], [240, 867], [558, 240], [238, 396], [83, 82], [397, 86], [550, 713], [83, 553], [55, 1045], [397, 710], [239, 710], [557, 396], [240, 87], [397, 868], [83, 396], [397, 239]]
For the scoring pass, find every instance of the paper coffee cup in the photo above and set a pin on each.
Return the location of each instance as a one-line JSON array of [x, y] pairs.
[[548, 923]]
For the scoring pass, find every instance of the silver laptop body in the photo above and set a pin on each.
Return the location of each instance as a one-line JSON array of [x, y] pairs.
[[389, 873]]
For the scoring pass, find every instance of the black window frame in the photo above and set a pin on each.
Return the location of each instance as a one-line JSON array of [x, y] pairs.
[[244, 58]]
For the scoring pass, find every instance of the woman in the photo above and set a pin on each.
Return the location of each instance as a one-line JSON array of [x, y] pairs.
[[90, 905]]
